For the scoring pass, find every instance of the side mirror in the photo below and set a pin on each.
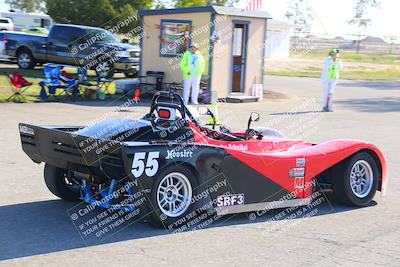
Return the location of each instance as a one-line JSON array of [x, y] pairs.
[[255, 116]]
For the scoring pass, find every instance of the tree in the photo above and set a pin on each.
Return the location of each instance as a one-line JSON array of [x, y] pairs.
[[26, 5], [134, 4], [362, 16], [191, 3], [160, 4], [81, 11], [299, 14], [97, 13]]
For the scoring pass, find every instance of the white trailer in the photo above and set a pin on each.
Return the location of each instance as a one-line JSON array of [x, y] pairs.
[[28, 20]]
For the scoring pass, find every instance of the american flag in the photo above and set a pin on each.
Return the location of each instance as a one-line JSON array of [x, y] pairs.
[[253, 5]]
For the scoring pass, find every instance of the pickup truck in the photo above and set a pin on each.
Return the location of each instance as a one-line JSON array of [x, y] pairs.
[[89, 47]]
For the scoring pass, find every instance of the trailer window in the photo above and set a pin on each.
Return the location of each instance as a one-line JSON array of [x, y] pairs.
[[45, 23]]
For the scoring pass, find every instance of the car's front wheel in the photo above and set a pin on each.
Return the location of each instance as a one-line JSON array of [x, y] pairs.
[[59, 184], [358, 182], [172, 196]]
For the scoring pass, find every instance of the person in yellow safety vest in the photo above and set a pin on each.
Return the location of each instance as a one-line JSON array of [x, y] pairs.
[[192, 66], [330, 75]]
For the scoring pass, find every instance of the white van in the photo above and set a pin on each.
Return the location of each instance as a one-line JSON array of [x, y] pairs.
[[6, 24]]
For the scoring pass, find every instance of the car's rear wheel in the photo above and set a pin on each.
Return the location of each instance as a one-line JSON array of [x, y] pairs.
[[25, 59], [171, 196], [359, 180], [59, 184]]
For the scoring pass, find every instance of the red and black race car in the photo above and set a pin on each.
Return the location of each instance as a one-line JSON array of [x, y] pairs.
[[173, 160]]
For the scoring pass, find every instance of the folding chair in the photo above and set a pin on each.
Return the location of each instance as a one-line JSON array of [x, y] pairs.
[[104, 84], [54, 80], [83, 80], [18, 86]]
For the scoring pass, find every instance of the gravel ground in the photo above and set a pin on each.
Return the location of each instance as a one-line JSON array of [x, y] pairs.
[[35, 229]]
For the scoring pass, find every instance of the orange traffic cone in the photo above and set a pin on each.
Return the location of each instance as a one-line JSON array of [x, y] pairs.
[[136, 98]]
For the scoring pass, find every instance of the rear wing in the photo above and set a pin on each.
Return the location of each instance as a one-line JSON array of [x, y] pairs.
[[56, 145]]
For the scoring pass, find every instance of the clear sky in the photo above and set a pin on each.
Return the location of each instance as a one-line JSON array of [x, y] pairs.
[[332, 15]]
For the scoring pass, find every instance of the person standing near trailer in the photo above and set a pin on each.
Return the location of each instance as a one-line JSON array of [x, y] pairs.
[[330, 75], [192, 66]]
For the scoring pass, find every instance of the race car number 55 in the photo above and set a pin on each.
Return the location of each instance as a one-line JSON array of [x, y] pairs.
[[138, 166]]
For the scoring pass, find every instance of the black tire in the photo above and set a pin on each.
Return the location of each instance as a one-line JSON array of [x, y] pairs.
[[158, 216], [55, 179], [131, 74], [25, 59], [341, 182], [104, 70]]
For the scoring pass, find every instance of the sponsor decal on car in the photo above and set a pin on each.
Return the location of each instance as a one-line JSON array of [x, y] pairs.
[[300, 162], [296, 172], [179, 154], [299, 182], [230, 200], [239, 147]]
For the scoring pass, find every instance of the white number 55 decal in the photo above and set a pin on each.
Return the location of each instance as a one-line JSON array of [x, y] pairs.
[[138, 166]]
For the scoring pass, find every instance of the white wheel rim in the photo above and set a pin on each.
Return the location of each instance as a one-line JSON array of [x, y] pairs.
[[24, 60], [174, 194], [361, 178]]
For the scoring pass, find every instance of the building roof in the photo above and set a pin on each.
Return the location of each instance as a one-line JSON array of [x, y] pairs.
[[221, 10]]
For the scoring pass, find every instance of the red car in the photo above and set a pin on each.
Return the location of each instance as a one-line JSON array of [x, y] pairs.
[[174, 161]]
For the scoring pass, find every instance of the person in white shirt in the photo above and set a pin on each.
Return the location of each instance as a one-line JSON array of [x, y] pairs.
[[330, 75]]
